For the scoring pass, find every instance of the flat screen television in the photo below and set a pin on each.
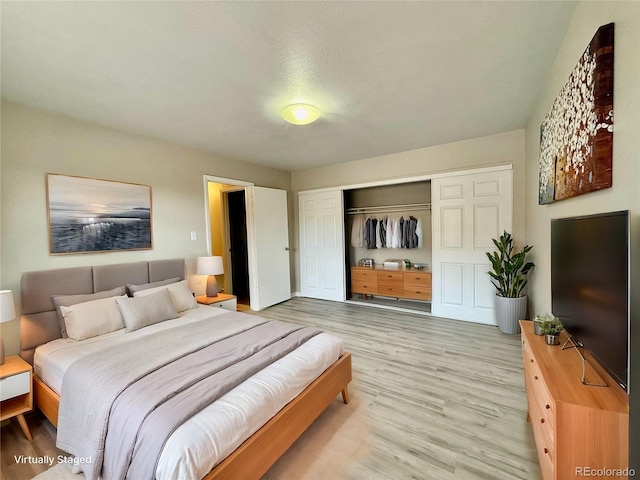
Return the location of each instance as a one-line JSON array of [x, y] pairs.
[[590, 286]]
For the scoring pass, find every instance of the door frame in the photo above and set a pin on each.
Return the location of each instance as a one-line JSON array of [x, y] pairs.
[[234, 186]]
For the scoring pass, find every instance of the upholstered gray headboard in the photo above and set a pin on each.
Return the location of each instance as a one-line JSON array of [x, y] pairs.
[[39, 322]]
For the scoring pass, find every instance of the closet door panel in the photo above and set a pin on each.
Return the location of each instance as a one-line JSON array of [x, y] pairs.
[[330, 269], [483, 291], [321, 245], [309, 232], [311, 272], [452, 284], [486, 221], [329, 231], [452, 228], [468, 212]]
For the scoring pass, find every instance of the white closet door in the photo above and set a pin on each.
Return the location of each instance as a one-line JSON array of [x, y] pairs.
[[268, 228], [321, 227], [468, 211]]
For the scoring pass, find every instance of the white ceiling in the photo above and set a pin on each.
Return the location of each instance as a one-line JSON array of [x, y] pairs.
[[388, 76]]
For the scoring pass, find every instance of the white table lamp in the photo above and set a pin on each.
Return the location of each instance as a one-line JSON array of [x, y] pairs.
[[210, 266], [7, 313]]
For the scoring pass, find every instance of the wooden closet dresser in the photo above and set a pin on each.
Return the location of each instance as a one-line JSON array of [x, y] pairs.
[[391, 282]]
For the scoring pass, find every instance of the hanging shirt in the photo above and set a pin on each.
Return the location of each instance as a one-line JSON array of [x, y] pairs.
[[357, 231], [412, 237]]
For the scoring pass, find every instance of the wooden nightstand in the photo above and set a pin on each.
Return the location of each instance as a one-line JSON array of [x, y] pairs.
[[223, 300], [16, 391]]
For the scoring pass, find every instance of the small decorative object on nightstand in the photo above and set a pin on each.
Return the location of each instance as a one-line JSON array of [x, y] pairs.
[[222, 300], [16, 393]]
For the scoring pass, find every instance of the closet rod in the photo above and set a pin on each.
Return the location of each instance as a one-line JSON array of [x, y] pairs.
[[389, 208]]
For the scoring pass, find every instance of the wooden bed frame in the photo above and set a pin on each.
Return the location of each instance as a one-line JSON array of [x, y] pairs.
[[252, 459], [260, 451]]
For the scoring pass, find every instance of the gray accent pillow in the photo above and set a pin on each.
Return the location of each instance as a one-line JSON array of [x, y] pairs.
[[181, 296], [131, 289], [68, 300], [138, 312]]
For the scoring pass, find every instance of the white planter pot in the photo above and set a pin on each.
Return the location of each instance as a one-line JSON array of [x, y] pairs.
[[509, 311]]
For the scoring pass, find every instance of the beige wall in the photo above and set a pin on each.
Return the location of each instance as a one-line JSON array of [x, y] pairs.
[[500, 149], [35, 142], [625, 192]]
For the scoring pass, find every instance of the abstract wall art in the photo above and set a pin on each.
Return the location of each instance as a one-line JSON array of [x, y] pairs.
[[576, 136], [88, 215]]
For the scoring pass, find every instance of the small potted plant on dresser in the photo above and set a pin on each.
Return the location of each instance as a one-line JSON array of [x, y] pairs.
[[551, 330], [509, 276], [540, 319]]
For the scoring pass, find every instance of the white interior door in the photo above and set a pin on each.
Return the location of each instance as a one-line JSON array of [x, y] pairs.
[[321, 224], [468, 211], [268, 230]]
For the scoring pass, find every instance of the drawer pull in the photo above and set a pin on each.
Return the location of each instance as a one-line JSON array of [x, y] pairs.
[[532, 360], [536, 377], [547, 406], [546, 450], [542, 420]]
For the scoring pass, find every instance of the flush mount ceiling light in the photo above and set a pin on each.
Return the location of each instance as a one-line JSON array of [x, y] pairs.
[[300, 113]]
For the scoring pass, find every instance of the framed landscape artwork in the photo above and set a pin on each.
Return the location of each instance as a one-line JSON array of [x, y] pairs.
[[88, 215], [576, 136]]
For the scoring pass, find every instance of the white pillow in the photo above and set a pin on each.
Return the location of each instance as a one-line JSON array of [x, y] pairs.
[[181, 296], [90, 319], [146, 309]]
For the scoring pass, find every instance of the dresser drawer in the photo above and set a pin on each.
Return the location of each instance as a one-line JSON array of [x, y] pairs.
[[417, 279], [364, 275], [542, 418], [390, 277], [15, 385], [542, 402], [364, 287], [417, 292], [546, 447], [391, 289], [537, 392]]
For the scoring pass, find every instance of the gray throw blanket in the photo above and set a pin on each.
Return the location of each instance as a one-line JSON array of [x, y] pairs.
[[93, 384]]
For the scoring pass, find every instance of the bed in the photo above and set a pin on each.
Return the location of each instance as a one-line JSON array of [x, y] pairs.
[[310, 376]]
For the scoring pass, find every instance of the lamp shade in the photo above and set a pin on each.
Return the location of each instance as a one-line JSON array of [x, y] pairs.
[[7, 308], [209, 266]]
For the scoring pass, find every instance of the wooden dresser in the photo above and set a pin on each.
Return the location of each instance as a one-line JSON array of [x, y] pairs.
[[399, 283], [575, 426]]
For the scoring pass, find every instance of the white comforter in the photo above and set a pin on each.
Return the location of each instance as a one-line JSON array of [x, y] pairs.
[[211, 435]]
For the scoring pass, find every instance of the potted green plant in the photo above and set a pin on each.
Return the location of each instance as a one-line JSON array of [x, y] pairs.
[[509, 276], [551, 330], [540, 319]]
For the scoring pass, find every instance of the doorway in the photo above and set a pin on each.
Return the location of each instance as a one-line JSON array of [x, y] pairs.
[[261, 240], [227, 217], [238, 251]]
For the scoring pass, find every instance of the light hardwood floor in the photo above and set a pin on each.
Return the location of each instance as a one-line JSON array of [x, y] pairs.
[[430, 399]]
